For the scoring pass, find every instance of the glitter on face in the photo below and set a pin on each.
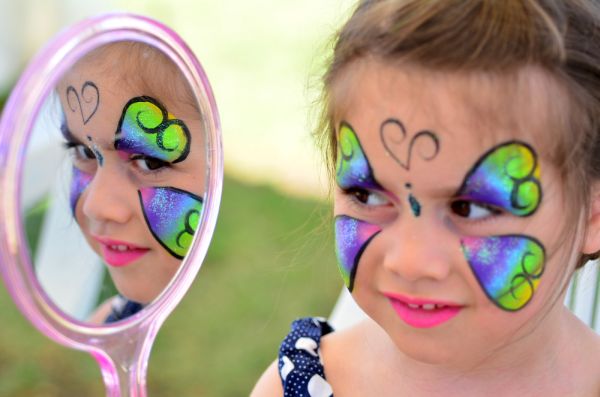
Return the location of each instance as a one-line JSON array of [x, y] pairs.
[[352, 167], [352, 237], [147, 128], [415, 206], [79, 181], [508, 177], [508, 268], [172, 216]]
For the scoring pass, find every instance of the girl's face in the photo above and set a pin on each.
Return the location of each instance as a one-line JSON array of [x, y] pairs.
[[448, 214], [138, 174]]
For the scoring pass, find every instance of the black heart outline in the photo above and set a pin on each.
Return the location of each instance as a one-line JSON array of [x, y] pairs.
[[425, 133], [84, 88]]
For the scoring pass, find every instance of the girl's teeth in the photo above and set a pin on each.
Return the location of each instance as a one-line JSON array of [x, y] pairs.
[[120, 247], [413, 306], [429, 306]]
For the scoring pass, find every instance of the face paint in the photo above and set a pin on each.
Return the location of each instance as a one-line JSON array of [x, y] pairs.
[[147, 128], [79, 181], [415, 206], [352, 167], [508, 268], [172, 216], [508, 176], [96, 151], [352, 171], [351, 237], [393, 134]]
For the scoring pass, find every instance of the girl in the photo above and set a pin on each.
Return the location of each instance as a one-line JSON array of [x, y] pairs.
[[463, 138], [132, 126]]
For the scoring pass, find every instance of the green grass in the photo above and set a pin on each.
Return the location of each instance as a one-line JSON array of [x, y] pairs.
[[271, 260]]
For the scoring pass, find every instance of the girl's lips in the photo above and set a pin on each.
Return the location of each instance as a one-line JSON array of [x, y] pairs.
[[118, 253], [422, 313]]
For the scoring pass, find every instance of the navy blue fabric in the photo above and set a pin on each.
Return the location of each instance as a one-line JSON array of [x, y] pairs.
[[300, 367], [122, 308]]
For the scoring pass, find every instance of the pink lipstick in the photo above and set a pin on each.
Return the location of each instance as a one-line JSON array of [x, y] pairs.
[[118, 253], [422, 313]]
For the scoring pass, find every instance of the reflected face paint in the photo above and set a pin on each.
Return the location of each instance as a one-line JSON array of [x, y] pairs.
[[352, 236], [507, 176], [172, 216], [147, 128], [507, 267], [79, 181]]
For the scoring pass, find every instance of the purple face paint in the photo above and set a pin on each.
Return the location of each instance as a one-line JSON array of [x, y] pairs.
[[353, 171], [507, 176], [352, 237], [147, 128], [508, 268], [172, 216], [352, 167], [79, 181]]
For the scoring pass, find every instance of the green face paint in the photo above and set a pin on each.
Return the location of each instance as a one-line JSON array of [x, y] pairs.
[[147, 128]]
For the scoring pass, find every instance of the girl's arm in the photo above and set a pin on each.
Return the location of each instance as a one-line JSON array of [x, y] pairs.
[[269, 384]]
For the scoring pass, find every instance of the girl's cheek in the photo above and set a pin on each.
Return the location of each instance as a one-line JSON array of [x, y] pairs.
[[352, 236], [79, 181], [172, 215], [508, 268]]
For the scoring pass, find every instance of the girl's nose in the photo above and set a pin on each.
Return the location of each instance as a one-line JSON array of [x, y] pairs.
[[418, 250], [106, 197]]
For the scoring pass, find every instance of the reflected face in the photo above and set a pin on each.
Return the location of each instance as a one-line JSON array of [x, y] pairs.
[[138, 171], [442, 210]]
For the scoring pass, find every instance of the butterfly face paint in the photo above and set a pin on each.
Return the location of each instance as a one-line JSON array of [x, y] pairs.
[[352, 235], [507, 267], [94, 148], [147, 128], [172, 216], [79, 181], [508, 176]]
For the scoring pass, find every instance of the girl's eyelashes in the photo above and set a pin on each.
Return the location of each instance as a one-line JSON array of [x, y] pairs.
[[472, 210], [80, 151], [148, 164], [366, 197]]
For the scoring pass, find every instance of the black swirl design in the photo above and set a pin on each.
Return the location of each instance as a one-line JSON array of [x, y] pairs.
[[393, 133]]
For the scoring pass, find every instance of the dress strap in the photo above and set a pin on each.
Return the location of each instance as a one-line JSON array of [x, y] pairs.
[[300, 366]]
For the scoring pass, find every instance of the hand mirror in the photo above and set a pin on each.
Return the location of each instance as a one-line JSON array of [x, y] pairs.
[[111, 175]]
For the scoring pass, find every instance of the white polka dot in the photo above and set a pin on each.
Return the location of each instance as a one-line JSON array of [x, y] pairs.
[[307, 344], [288, 366], [318, 387]]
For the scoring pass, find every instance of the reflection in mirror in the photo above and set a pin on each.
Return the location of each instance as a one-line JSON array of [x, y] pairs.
[[114, 179]]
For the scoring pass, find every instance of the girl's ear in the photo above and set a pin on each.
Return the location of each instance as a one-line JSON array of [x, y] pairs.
[[591, 244]]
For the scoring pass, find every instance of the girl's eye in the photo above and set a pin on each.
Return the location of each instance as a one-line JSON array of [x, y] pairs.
[[367, 197], [472, 210], [82, 152], [148, 164]]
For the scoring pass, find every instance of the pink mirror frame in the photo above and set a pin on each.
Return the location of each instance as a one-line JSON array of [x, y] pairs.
[[122, 349]]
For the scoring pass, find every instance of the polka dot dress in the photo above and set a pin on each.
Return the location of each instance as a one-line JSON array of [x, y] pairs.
[[300, 365]]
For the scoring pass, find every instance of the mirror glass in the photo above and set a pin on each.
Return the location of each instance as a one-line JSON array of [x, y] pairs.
[[114, 179]]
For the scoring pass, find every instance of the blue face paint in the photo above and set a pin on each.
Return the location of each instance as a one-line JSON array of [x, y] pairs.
[[79, 181], [172, 216], [352, 236], [94, 148], [507, 267]]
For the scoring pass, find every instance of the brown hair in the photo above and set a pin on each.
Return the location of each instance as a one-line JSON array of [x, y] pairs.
[[562, 38]]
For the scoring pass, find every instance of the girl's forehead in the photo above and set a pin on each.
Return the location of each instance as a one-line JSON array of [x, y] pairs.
[[525, 103]]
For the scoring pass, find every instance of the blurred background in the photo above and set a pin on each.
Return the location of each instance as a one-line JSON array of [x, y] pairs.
[[271, 259]]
